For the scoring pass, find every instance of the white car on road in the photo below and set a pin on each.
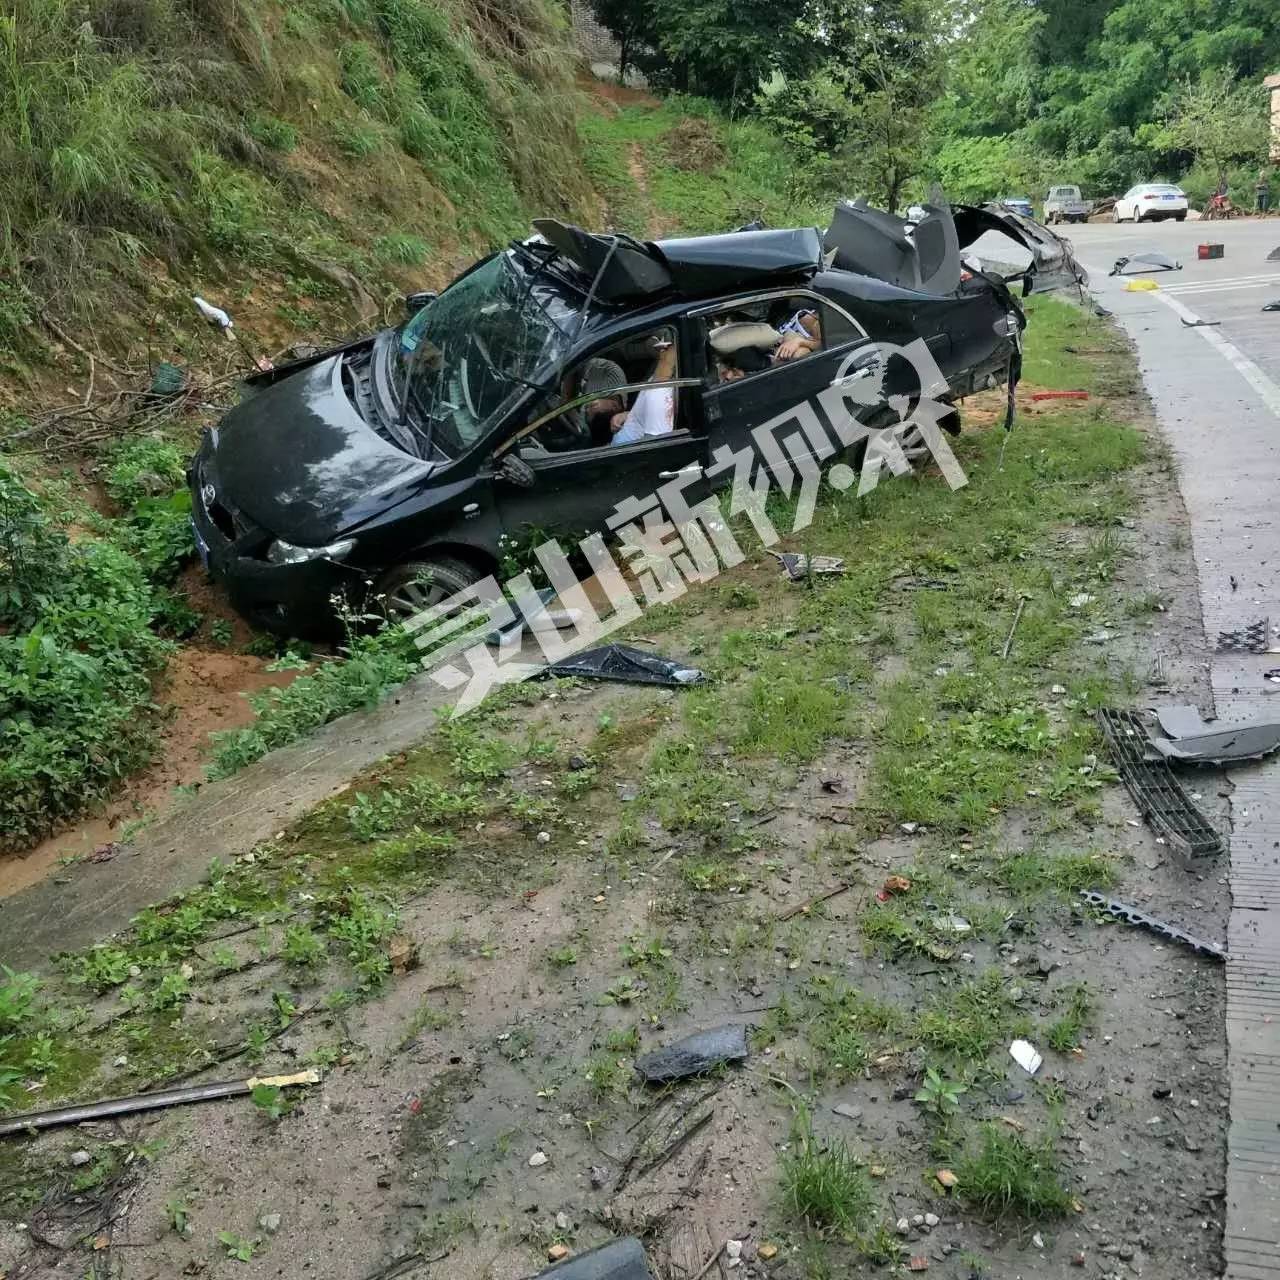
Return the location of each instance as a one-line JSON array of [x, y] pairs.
[[1150, 202]]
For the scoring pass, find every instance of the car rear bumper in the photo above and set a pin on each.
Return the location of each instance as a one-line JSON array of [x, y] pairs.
[[286, 599]]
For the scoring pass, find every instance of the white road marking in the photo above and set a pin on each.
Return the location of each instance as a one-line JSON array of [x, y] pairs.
[[1273, 283]]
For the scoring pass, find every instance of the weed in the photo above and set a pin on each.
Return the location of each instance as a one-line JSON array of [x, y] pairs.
[[302, 949], [641, 953], [823, 1186], [271, 132], [418, 801], [179, 1215], [1064, 1032], [271, 1101], [562, 957], [407, 250], [971, 1019], [939, 1095], [607, 1074], [1009, 1176], [221, 633], [238, 1247]]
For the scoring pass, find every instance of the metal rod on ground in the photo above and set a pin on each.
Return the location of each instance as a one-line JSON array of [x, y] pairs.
[[1017, 617]]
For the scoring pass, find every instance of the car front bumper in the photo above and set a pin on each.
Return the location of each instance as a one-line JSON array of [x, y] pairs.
[[285, 599]]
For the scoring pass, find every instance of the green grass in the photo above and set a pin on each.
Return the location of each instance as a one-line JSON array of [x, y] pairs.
[[1005, 1176], [1078, 1006], [824, 1187]]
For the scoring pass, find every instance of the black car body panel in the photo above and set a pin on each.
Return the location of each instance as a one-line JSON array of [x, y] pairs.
[[1053, 262], [325, 476]]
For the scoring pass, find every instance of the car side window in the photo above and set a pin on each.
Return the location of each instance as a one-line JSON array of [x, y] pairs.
[[614, 415], [746, 338]]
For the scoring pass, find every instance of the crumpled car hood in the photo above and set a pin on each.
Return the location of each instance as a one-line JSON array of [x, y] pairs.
[[299, 460]]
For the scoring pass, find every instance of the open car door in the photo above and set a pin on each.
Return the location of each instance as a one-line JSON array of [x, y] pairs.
[[1053, 264]]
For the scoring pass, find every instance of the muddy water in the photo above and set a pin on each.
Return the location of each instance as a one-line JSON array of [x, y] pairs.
[[206, 691]]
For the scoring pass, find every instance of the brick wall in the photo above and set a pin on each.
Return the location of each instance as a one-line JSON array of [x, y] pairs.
[[595, 42]]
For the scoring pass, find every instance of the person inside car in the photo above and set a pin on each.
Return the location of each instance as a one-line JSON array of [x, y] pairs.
[[801, 335], [652, 414]]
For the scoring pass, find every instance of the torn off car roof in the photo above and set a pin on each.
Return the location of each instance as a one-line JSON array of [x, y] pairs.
[[625, 269]]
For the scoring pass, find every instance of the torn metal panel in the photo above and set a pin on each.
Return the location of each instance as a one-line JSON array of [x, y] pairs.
[[1153, 261], [1131, 915], [798, 566], [626, 664], [1271, 306], [1155, 789], [1254, 638], [695, 1054], [1053, 261]]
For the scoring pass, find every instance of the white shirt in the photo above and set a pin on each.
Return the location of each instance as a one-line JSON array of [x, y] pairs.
[[653, 414]]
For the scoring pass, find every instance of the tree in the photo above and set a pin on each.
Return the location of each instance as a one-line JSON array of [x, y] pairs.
[[1219, 121], [630, 22]]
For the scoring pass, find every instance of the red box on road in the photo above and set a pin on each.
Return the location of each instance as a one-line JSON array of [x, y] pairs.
[[1208, 251]]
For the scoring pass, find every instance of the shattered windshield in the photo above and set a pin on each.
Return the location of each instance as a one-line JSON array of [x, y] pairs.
[[469, 353]]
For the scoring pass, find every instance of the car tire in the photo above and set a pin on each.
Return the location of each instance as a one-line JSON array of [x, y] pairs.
[[1115, 213], [407, 589], [1137, 215], [1179, 217]]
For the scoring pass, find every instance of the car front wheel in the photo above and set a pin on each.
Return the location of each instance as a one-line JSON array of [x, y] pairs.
[[407, 589], [1115, 214], [1137, 214]]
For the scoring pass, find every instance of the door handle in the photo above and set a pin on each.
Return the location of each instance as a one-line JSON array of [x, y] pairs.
[[865, 372], [684, 471]]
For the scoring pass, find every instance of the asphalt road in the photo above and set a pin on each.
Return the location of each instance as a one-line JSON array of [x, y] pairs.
[[1216, 390]]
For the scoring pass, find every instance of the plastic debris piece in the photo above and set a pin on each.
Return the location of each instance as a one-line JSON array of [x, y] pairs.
[[1253, 638], [1140, 286], [1025, 1055], [527, 613], [703, 1051], [733, 1253], [1131, 915], [797, 566], [618, 1260], [897, 884], [214, 315], [953, 924], [1154, 787], [623, 663], [1224, 746], [1271, 306], [1181, 722], [1152, 261], [918, 1262], [1199, 323]]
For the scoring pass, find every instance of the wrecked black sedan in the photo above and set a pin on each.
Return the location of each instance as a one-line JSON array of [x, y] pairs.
[[563, 374]]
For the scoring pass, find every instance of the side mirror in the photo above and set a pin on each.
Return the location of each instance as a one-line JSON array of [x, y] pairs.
[[414, 302], [516, 471]]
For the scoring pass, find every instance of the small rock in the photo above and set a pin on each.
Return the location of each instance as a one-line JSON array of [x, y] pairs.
[[599, 1176], [1191, 1144], [121, 1061], [848, 1110], [918, 1220], [544, 837], [832, 785], [538, 1159], [910, 828], [946, 1177], [1058, 689], [269, 1222], [80, 1157], [578, 762], [557, 1253], [1162, 1091], [733, 1253], [878, 1171], [562, 1221], [931, 1220], [1037, 1240], [1125, 1253], [767, 1251], [1077, 1259], [904, 1227]]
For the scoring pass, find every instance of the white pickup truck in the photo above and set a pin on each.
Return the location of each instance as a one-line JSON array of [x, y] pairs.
[[1063, 204]]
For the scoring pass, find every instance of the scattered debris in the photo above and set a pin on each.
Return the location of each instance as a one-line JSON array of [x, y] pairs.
[[1152, 261], [766, 1252], [946, 1178], [1271, 306], [538, 1159], [527, 613], [630, 666], [156, 1101], [1209, 252], [1059, 395], [1225, 746], [1025, 1055], [1199, 323], [918, 1262], [1131, 915], [797, 566], [847, 1110], [695, 1054], [1154, 787], [79, 1158], [557, 1253], [1017, 617], [1078, 601], [953, 924], [402, 951], [1037, 1241], [893, 885], [1254, 638], [1140, 286], [618, 1260], [1181, 721], [803, 908], [733, 1253]]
